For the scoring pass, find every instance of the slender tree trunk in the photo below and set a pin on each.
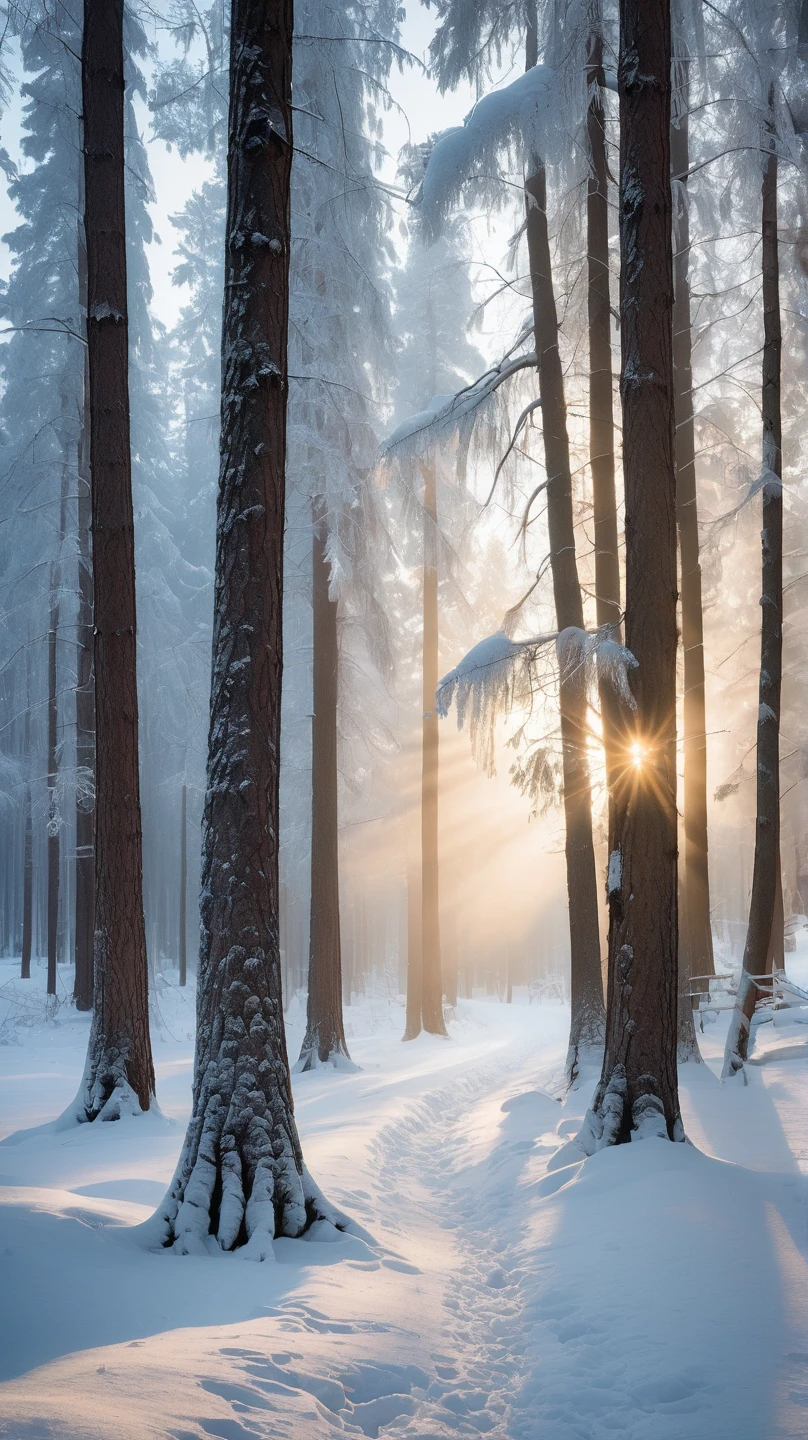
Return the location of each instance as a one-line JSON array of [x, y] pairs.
[[85, 703], [587, 1014], [183, 936], [28, 843], [637, 1095], [764, 912], [54, 819], [240, 1179], [431, 981], [695, 930], [324, 1040], [119, 1074], [601, 417], [413, 1013]]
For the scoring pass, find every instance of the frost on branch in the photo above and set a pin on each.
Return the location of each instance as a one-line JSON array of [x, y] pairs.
[[515, 119], [494, 676], [499, 673]]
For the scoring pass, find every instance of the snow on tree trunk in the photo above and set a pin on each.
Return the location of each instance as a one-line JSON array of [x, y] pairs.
[[763, 908], [695, 930], [324, 1040], [637, 1095], [85, 700], [431, 980], [119, 1074], [586, 984], [412, 1026], [240, 1179]]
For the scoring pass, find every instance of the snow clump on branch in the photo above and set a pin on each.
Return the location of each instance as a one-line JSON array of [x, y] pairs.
[[515, 119], [499, 673]]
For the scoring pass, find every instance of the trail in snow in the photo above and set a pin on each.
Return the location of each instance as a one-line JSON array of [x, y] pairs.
[[488, 1294]]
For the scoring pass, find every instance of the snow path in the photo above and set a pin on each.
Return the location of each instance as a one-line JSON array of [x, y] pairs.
[[656, 1292]]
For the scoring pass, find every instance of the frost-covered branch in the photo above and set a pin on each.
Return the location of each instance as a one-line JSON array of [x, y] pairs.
[[448, 414], [499, 673]]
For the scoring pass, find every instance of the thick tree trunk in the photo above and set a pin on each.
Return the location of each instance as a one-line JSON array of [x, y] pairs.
[[763, 909], [431, 981], [85, 704], [587, 1015], [183, 897], [240, 1179], [637, 1095], [119, 1074], [324, 1040], [695, 930]]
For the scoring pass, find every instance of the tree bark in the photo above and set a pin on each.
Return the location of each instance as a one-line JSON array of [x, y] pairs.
[[431, 981], [763, 908], [695, 930], [85, 701], [28, 843], [183, 898], [324, 1040], [601, 417], [119, 1074], [586, 985], [240, 1179], [412, 1026], [637, 1095]]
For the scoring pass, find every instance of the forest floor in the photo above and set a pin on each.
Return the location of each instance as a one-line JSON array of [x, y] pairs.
[[656, 1292]]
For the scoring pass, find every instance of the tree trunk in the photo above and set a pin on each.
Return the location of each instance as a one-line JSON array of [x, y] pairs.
[[431, 981], [119, 1074], [240, 1179], [183, 927], [637, 1095], [413, 1014], [587, 1016], [324, 1040], [601, 418], [28, 847], [695, 930], [85, 703], [53, 825], [763, 908]]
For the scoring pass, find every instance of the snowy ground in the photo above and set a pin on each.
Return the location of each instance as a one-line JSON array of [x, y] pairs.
[[657, 1292]]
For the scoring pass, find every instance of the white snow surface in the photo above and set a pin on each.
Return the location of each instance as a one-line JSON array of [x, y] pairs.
[[654, 1291]]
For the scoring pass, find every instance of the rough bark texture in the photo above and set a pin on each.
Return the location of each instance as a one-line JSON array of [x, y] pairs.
[[695, 930], [587, 1014], [85, 703], [183, 897], [119, 1073], [431, 979], [758, 952], [240, 1179], [324, 1040], [637, 1094]]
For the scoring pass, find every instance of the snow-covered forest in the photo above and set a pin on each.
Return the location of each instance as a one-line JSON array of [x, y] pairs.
[[403, 754]]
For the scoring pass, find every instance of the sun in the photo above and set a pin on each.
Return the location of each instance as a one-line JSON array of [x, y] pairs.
[[638, 753]]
